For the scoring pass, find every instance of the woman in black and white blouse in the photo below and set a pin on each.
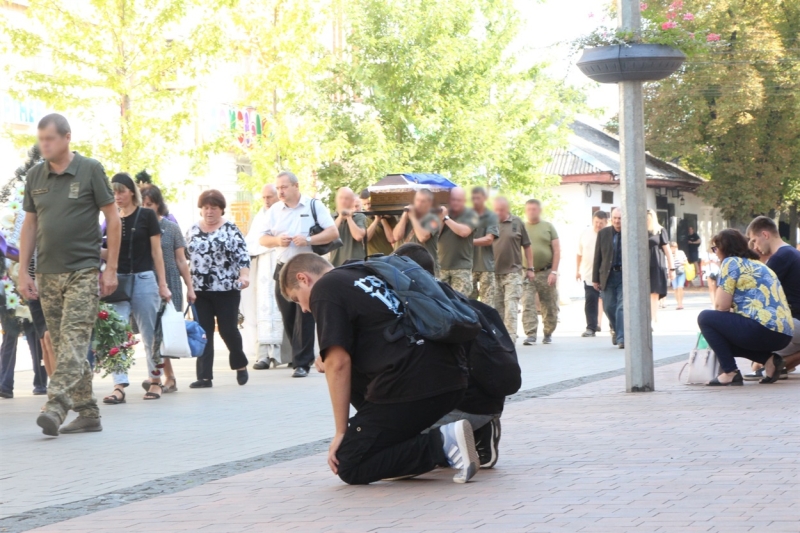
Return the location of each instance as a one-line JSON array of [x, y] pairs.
[[220, 267]]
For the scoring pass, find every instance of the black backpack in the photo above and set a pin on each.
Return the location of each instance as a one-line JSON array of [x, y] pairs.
[[431, 309], [492, 356]]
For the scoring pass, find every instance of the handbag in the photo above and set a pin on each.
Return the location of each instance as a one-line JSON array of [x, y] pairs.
[[174, 339], [124, 290], [195, 334], [702, 365], [321, 249]]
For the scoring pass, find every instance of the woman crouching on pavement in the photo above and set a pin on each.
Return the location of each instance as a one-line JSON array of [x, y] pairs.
[[140, 254], [751, 317], [220, 267]]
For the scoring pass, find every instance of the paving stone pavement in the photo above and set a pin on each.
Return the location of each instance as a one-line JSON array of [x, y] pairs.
[[587, 459]]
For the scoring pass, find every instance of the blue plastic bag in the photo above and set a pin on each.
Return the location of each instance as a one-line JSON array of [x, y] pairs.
[[195, 333]]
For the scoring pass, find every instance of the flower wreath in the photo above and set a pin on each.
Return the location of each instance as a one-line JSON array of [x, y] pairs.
[[113, 342]]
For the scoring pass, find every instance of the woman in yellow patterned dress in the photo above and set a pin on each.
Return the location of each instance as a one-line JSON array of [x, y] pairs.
[[751, 317]]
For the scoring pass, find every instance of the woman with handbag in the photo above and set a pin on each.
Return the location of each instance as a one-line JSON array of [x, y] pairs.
[[661, 261], [220, 267], [680, 262], [751, 317], [173, 249], [142, 279]]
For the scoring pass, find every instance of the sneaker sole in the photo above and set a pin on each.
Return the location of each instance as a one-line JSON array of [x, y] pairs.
[[466, 442], [48, 425], [84, 430]]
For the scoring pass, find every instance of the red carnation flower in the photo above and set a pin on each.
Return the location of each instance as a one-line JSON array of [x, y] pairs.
[[102, 315], [113, 351]]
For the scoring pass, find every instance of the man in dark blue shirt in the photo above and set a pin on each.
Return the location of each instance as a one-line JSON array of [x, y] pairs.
[[784, 260]]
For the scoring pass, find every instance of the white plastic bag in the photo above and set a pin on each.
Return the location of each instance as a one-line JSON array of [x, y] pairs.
[[174, 342]]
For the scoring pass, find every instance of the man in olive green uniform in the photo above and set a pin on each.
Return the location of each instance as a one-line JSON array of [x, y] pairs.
[[63, 199], [508, 248], [484, 284], [455, 242], [421, 226], [546, 257], [380, 239], [352, 228]]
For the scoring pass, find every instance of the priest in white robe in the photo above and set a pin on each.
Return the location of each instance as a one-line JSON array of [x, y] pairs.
[[262, 330]]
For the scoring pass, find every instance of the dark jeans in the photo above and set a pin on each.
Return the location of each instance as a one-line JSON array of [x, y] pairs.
[[8, 354], [590, 307], [224, 306], [299, 327], [732, 335], [612, 304], [385, 440]]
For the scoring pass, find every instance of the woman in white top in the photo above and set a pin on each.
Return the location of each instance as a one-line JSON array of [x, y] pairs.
[[679, 264]]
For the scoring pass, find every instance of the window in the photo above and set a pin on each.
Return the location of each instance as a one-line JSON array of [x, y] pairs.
[[607, 197]]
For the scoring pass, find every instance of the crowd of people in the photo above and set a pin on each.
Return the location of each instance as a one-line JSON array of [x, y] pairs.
[[418, 407]]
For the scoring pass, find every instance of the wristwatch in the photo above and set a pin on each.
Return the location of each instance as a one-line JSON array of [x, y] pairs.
[[529, 269], [446, 218], [308, 240]]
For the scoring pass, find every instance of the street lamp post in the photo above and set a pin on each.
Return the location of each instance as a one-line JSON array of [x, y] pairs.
[[635, 253]]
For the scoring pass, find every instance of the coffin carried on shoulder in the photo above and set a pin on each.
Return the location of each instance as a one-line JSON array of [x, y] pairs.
[[394, 192]]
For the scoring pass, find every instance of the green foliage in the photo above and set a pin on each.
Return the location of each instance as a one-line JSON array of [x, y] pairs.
[[429, 86], [130, 67], [733, 116]]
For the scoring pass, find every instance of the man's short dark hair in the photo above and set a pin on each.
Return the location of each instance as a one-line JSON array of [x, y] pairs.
[[426, 192], [418, 254], [534, 201], [479, 190], [305, 262], [602, 215], [364, 194], [59, 121], [760, 224]]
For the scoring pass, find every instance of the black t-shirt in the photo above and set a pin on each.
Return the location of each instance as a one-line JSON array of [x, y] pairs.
[[147, 226], [786, 265], [352, 308], [692, 247]]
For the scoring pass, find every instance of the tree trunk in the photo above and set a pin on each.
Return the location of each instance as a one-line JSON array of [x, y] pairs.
[[793, 224]]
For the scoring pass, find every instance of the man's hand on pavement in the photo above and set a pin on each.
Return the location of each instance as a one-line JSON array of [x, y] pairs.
[[333, 462]]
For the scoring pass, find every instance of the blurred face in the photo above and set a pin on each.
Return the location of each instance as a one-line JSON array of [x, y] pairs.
[[422, 204], [458, 200], [288, 192], [366, 204], [269, 195], [501, 209], [147, 203], [123, 197], [357, 204], [301, 295], [616, 219], [674, 249], [212, 214], [51, 144], [759, 242], [691, 230], [533, 212], [599, 223], [478, 201], [344, 200]]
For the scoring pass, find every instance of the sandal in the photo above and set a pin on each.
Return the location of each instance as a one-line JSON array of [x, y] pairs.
[[113, 399], [170, 388], [153, 395]]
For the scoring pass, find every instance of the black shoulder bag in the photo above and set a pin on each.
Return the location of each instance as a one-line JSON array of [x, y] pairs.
[[124, 290], [321, 249]]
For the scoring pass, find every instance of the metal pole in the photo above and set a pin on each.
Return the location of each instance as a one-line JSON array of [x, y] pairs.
[[635, 254]]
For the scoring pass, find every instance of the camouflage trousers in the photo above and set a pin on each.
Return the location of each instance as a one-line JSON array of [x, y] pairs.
[[509, 291], [460, 280], [548, 304], [70, 302], [484, 287]]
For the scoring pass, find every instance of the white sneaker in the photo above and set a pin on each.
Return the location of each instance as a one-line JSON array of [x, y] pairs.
[[459, 447]]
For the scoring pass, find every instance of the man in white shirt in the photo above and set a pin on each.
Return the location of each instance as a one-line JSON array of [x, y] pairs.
[[286, 229], [262, 330], [593, 306]]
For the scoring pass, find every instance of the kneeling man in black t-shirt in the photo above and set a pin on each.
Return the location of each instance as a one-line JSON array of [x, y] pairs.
[[398, 388]]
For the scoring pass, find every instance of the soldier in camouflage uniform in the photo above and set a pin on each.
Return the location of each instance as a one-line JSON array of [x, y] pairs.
[[63, 199], [484, 284], [546, 251], [455, 242], [507, 249]]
